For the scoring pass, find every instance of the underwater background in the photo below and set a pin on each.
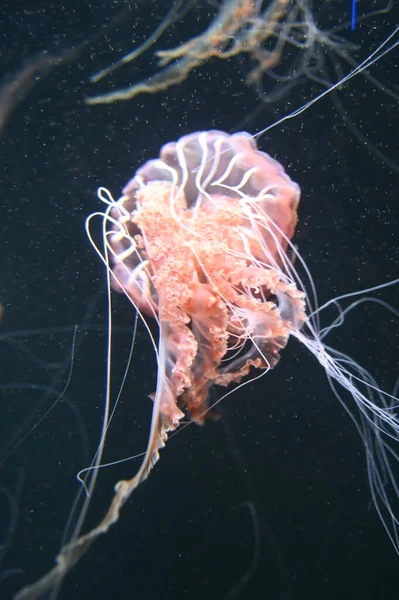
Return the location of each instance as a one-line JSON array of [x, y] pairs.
[[271, 501]]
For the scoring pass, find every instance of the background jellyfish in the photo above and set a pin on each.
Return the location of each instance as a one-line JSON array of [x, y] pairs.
[[276, 46], [283, 40], [303, 464]]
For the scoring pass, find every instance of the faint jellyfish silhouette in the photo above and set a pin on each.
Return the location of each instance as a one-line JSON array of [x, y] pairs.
[[9, 500], [277, 34], [200, 241], [239, 26]]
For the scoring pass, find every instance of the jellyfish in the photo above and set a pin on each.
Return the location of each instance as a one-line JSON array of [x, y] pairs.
[[283, 40], [238, 26], [200, 242]]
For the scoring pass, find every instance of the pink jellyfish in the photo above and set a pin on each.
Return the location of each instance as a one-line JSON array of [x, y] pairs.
[[200, 241]]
